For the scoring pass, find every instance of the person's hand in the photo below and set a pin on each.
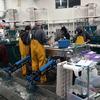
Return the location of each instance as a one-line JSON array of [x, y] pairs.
[[87, 41], [50, 42]]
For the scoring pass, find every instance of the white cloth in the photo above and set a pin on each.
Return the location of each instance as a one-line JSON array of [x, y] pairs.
[[84, 63], [76, 69]]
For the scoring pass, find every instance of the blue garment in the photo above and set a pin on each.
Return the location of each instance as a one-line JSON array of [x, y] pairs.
[[25, 38]]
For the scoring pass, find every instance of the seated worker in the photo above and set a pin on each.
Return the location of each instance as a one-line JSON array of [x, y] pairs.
[[80, 38], [24, 46], [38, 50]]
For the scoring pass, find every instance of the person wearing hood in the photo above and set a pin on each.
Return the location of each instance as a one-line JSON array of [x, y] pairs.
[[65, 33], [38, 50], [24, 46]]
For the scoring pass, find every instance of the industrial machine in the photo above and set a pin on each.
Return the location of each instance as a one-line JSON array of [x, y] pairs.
[[25, 89], [51, 63]]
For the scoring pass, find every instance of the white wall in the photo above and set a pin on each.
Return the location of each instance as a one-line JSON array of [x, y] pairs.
[[64, 15], [54, 15], [97, 2], [23, 12], [69, 13], [1, 8], [49, 4]]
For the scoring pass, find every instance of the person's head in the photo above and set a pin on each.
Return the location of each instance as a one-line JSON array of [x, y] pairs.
[[79, 31], [27, 28], [25, 37], [38, 25], [22, 32], [63, 29], [64, 32]]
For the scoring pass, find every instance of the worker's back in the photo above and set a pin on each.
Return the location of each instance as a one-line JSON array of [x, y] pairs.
[[38, 51], [80, 40], [39, 35]]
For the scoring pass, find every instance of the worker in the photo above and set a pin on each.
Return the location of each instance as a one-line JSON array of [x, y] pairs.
[[38, 51], [24, 46], [80, 37], [65, 33]]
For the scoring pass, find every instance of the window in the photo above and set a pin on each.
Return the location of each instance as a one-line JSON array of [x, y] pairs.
[[61, 4], [66, 3], [74, 3]]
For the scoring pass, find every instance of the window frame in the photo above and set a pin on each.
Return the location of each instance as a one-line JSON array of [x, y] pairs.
[[67, 4], [60, 3]]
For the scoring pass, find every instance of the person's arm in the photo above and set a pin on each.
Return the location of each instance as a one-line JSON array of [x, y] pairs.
[[88, 39], [74, 39], [45, 40]]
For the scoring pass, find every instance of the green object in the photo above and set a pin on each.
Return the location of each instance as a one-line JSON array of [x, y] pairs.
[[90, 29], [95, 39], [12, 32], [13, 52]]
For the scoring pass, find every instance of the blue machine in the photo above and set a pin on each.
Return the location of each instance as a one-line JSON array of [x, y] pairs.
[[63, 43], [51, 64], [12, 68]]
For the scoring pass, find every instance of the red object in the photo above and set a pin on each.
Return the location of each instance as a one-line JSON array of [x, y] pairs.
[[3, 55]]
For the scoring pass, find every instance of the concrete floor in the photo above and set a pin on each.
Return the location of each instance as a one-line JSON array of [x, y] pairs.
[[2, 98]]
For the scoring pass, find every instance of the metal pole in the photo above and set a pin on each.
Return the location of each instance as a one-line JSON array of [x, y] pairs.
[[88, 82], [5, 4], [67, 3]]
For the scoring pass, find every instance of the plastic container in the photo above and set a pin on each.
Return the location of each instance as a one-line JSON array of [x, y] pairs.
[[63, 43], [64, 80]]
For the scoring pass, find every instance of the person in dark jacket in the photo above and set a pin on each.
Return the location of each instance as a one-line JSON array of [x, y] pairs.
[[39, 34], [38, 50], [65, 32], [24, 46]]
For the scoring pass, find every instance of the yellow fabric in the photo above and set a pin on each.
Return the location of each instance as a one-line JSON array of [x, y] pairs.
[[24, 51], [80, 40], [38, 57]]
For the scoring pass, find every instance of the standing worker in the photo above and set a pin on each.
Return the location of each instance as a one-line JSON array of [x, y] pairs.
[[65, 32], [38, 51], [24, 46]]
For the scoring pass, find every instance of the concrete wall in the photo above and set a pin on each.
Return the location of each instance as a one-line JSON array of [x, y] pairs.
[[53, 14], [65, 15], [22, 8], [68, 13]]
